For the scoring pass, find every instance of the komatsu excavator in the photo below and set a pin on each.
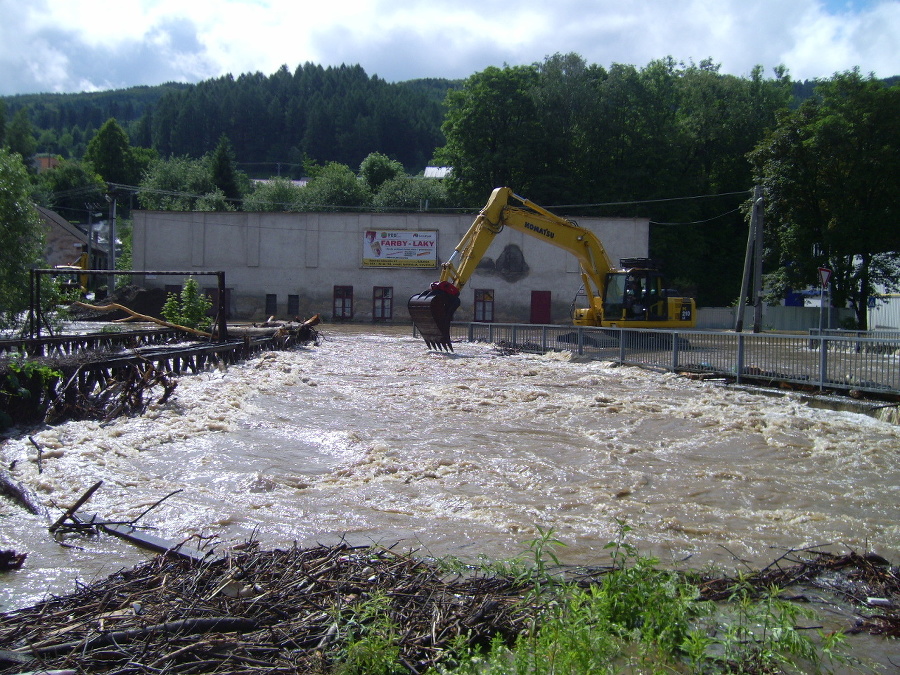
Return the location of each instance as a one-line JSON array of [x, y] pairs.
[[634, 295]]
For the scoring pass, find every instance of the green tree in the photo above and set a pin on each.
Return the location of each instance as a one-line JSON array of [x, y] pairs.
[[717, 120], [73, 189], [21, 237], [110, 154], [419, 194], [2, 123], [490, 126], [565, 96], [224, 170], [829, 173], [335, 188], [377, 168], [275, 194], [20, 135], [181, 184], [190, 308]]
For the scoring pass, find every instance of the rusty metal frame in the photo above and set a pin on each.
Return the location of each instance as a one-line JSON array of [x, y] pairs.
[[35, 316]]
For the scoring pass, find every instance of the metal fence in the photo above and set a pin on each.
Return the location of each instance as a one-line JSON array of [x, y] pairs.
[[827, 361]]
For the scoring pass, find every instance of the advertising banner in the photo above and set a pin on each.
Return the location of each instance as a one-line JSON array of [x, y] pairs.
[[400, 248]]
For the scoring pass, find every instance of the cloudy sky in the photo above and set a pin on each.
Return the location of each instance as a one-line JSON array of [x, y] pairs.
[[86, 45]]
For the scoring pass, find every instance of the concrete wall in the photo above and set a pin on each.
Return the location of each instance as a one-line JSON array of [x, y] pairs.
[[792, 319], [307, 254]]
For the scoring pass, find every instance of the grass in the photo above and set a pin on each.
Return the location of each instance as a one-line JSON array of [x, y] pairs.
[[636, 619]]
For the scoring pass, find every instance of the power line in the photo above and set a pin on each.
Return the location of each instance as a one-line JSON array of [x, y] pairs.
[[651, 201], [334, 207], [699, 222]]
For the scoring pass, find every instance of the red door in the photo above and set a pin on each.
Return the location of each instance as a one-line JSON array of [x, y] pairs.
[[540, 307]]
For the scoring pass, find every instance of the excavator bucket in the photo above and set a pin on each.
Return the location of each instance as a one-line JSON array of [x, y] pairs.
[[432, 312]]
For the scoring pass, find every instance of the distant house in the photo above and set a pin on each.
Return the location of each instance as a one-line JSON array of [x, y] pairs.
[[265, 181], [42, 163], [66, 242], [437, 171]]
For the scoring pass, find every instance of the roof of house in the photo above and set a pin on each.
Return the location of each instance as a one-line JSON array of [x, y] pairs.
[[437, 171], [53, 218]]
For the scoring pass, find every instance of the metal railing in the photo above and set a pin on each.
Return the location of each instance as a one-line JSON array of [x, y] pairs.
[[870, 364]]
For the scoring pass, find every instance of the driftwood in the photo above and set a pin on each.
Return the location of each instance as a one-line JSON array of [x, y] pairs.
[[292, 609], [125, 392], [21, 495], [11, 560], [77, 505], [142, 317]]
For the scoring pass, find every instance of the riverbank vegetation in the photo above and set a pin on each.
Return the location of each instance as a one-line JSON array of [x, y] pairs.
[[373, 610]]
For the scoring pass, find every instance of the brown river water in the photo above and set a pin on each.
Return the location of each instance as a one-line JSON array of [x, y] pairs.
[[372, 438]]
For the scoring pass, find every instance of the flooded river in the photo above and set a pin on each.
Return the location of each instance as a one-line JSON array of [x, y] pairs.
[[372, 438]]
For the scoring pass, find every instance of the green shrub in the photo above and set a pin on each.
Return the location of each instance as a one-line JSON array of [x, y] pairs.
[[189, 308], [641, 619], [25, 390]]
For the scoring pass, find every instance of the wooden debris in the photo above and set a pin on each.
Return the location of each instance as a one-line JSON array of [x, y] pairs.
[[142, 317], [130, 533], [77, 505], [296, 607], [126, 390], [291, 610], [11, 560], [853, 576], [21, 495]]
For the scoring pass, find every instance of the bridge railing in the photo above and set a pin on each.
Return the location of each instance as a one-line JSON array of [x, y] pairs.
[[851, 362]]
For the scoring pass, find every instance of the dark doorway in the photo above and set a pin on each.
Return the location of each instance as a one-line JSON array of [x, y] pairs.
[[540, 307]]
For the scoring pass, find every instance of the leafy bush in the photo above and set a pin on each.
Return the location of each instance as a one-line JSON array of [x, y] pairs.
[[638, 618], [25, 389], [189, 308]]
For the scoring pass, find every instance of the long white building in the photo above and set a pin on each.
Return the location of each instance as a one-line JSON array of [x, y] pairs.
[[363, 267]]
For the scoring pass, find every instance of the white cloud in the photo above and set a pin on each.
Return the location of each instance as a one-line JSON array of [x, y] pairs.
[[58, 45]]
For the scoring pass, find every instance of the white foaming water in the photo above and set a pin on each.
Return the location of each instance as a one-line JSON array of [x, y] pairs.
[[372, 438]]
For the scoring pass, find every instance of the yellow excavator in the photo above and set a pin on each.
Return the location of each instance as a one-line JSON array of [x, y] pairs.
[[634, 295]]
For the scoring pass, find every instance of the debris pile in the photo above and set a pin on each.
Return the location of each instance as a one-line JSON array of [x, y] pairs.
[[866, 581], [261, 611], [107, 394]]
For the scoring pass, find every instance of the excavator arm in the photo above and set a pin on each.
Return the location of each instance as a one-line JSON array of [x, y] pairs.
[[432, 311]]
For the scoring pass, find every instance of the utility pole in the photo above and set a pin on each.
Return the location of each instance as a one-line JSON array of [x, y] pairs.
[[111, 283], [754, 247], [757, 269]]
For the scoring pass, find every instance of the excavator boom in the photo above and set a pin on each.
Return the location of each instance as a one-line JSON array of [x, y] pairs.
[[432, 310]]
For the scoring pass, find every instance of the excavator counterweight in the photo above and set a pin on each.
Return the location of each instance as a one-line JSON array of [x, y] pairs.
[[431, 312]]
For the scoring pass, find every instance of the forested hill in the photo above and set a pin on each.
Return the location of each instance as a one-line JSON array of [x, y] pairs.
[[64, 123], [334, 114], [274, 122]]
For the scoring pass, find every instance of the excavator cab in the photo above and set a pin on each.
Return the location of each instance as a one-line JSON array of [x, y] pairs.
[[634, 295], [432, 312], [638, 292]]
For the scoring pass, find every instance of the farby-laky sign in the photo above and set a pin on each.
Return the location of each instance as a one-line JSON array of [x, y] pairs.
[[399, 248]]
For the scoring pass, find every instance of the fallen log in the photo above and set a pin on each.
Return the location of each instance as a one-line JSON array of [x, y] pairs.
[[128, 532], [142, 317], [21, 495]]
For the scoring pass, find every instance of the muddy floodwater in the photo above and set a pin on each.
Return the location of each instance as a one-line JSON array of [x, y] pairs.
[[371, 438]]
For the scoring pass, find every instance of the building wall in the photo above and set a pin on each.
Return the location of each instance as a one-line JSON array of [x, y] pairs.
[[63, 242], [885, 315], [308, 254]]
